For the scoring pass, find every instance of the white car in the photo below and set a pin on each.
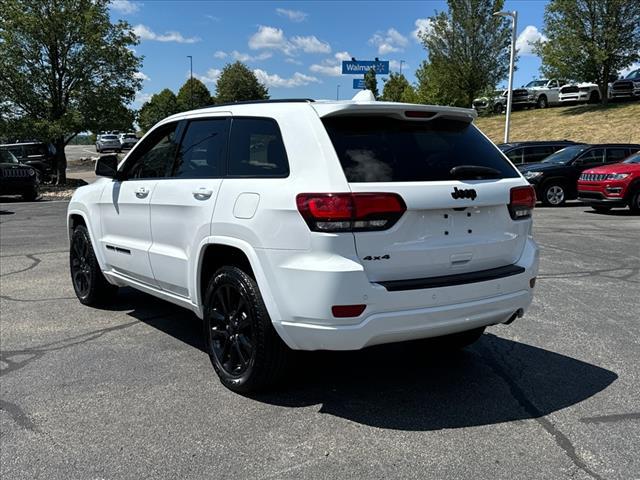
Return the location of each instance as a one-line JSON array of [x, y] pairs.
[[328, 225], [580, 93], [127, 140], [539, 93]]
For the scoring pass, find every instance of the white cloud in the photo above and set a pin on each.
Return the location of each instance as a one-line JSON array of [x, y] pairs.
[[395, 65], [213, 18], [141, 76], [423, 25], [272, 38], [293, 15], [125, 6], [389, 41], [526, 39], [331, 67], [274, 80], [211, 76], [141, 98], [311, 44], [243, 57], [145, 33], [293, 61]]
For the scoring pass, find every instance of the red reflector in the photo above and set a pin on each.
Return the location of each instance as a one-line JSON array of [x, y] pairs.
[[333, 212], [419, 114], [523, 197], [343, 311]]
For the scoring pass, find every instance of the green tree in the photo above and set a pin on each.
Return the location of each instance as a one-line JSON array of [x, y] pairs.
[[237, 83], [65, 69], [590, 40], [193, 94], [371, 82], [409, 95], [160, 106], [468, 51], [394, 87]]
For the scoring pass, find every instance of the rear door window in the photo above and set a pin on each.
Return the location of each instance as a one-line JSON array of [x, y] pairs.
[[202, 150], [515, 155], [384, 149], [615, 155], [537, 154], [256, 149], [593, 157]]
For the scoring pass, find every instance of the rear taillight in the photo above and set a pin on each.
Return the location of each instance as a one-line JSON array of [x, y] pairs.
[[522, 201], [350, 212]]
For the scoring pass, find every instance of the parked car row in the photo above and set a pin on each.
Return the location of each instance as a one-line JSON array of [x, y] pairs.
[[38, 155], [603, 175], [16, 178], [115, 141], [553, 92]]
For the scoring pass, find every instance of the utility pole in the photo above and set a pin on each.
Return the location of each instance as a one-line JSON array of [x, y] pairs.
[[401, 62], [190, 81], [338, 92], [514, 25]]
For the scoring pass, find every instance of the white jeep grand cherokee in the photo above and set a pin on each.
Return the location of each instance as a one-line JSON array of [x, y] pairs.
[[311, 225]]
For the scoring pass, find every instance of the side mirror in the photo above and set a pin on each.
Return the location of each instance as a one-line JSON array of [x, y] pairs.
[[107, 166]]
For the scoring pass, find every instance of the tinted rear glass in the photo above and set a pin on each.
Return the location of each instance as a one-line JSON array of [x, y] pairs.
[[383, 149]]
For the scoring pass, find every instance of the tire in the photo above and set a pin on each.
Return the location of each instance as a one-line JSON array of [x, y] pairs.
[[90, 285], [634, 201], [542, 102], [457, 341], [244, 348], [601, 208], [30, 195], [498, 108], [554, 195]]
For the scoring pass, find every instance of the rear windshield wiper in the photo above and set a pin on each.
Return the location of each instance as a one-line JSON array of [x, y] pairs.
[[474, 172]]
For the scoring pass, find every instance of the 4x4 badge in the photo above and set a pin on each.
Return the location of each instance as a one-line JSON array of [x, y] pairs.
[[470, 193]]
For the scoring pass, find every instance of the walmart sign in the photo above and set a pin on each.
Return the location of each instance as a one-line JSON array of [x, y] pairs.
[[359, 67]]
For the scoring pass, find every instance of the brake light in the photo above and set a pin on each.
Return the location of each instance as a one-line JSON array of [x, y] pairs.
[[419, 114], [345, 311], [350, 212], [522, 201]]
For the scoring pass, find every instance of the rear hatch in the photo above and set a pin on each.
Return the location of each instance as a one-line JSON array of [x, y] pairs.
[[457, 220]]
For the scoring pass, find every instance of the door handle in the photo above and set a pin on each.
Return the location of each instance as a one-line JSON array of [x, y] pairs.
[[202, 193], [142, 192]]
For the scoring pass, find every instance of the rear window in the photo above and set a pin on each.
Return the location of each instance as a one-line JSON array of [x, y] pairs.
[[383, 149], [109, 137]]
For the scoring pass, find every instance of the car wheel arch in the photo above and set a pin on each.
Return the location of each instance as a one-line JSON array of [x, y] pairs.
[[78, 217]]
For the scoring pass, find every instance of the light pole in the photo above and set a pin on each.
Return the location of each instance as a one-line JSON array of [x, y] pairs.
[[338, 92], [514, 18], [401, 62], [190, 81]]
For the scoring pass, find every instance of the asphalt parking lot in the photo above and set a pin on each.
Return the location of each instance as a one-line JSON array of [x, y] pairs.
[[129, 393]]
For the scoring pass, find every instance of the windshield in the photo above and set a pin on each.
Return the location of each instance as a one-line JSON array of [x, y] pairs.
[[536, 83], [383, 149], [130, 135], [633, 75], [565, 155], [7, 157], [635, 158], [108, 137]]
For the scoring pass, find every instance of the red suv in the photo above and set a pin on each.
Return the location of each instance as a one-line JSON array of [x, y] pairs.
[[616, 185]]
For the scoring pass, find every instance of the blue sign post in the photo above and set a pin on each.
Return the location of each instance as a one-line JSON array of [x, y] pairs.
[[358, 83], [359, 67]]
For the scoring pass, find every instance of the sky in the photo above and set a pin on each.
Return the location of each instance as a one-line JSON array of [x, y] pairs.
[[294, 48]]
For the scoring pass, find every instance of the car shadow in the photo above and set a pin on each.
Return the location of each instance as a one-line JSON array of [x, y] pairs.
[[597, 107], [567, 204], [412, 385], [622, 212]]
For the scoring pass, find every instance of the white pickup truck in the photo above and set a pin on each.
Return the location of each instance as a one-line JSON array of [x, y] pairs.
[[539, 93]]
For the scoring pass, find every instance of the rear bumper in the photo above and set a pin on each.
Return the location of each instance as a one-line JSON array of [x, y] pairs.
[[304, 298]]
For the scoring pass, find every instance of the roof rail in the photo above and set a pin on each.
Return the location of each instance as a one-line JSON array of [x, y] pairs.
[[250, 102]]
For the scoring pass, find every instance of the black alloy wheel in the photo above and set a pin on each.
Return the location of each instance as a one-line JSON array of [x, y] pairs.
[[244, 348], [232, 335], [81, 273], [90, 285]]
